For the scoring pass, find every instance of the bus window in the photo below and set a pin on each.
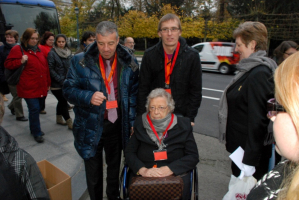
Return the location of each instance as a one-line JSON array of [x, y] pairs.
[[21, 17]]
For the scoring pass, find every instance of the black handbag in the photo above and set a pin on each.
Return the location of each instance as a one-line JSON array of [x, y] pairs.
[[13, 76]]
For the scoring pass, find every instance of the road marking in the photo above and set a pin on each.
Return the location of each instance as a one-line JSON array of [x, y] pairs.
[[213, 89], [206, 97]]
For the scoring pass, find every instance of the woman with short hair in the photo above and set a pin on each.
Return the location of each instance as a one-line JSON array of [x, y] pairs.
[[35, 79], [59, 62], [242, 113], [175, 134]]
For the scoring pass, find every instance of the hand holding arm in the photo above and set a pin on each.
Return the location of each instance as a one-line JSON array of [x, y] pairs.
[[151, 172]]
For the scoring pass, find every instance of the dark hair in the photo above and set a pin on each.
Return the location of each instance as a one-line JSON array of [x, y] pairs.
[[282, 48], [249, 31], [86, 35], [167, 17], [27, 35], [13, 33], [46, 36], [58, 36]]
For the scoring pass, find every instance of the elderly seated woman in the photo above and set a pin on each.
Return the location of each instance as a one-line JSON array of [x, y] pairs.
[[159, 131]]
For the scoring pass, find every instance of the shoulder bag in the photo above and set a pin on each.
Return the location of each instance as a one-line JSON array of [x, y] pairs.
[[13, 76]]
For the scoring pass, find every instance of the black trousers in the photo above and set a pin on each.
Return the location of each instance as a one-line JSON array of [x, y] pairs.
[[61, 108], [111, 142]]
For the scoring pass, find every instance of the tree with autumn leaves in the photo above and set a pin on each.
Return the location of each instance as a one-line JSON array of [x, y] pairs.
[[138, 23]]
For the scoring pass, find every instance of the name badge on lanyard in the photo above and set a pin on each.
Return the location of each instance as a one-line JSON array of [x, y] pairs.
[[159, 154], [168, 67], [113, 103]]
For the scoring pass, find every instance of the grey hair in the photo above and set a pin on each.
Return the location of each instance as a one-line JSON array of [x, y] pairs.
[[106, 28], [160, 92]]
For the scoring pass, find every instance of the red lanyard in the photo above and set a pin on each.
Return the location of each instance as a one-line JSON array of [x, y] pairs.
[[102, 68], [154, 130], [169, 67]]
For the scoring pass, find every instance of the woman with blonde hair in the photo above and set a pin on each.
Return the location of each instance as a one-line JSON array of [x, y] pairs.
[[283, 181]]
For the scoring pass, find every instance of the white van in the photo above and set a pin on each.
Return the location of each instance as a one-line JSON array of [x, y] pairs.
[[218, 56]]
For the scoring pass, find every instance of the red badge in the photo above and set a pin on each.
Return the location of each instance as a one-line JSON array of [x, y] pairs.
[[111, 104], [160, 154]]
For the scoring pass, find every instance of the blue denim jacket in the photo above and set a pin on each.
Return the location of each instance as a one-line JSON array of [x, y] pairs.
[[83, 79]]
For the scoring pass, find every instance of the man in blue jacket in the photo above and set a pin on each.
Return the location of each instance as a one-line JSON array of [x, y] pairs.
[[102, 84]]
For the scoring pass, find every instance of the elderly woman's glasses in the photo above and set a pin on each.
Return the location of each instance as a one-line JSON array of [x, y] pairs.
[[160, 108], [273, 107]]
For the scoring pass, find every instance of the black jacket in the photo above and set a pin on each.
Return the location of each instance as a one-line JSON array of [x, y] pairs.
[[185, 80], [247, 120], [58, 68], [181, 148]]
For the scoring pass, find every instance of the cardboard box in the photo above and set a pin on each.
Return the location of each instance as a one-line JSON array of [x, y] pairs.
[[58, 183]]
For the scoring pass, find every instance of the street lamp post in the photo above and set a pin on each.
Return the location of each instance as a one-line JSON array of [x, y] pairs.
[[77, 12]]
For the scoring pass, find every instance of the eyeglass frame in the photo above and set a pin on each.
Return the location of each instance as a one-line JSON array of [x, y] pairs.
[[159, 109], [273, 105]]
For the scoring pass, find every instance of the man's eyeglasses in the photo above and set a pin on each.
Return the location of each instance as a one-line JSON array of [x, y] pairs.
[[160, 108], [131, 42], [166, 30], [273, 107]]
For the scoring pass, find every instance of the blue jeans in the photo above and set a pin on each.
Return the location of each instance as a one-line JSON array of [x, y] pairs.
[[34, 109]]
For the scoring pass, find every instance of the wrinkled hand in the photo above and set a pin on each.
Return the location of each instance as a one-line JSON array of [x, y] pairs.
[[165, 171], [24, 59], [151, 172], [97, 98]]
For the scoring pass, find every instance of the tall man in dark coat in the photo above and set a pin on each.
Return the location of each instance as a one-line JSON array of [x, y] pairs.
[[173, 65], [102, 83]]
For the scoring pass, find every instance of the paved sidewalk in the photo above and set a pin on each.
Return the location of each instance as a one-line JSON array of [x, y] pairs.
[[58, 148]]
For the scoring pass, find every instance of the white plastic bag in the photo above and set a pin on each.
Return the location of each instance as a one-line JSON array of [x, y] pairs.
[[238, 189]]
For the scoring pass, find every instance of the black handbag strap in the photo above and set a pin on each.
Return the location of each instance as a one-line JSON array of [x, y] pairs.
[[22, 50]]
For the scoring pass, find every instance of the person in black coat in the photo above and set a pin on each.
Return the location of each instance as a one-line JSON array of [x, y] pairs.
[[15, 106], [243, 106], [178, 140], [184, 82], [59, 59]]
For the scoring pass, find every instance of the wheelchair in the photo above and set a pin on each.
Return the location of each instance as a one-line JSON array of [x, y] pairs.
[[124, 183]]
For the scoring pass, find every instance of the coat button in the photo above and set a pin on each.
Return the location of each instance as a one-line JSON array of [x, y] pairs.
[[41, 76], [42, 95]]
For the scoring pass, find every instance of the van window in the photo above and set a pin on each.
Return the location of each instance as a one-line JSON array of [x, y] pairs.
[[199, 48]]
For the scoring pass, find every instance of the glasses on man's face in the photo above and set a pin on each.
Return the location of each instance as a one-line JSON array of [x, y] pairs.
[[131, 43], [166, 30], [160, 108], [273, 107]]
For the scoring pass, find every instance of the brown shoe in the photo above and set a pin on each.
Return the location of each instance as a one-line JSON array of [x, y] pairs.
[[70, 123], [43, 112]]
